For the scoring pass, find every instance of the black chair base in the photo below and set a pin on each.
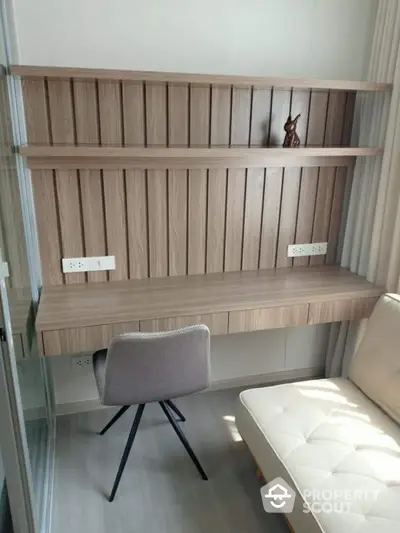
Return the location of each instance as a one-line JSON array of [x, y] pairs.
[[167, 407], [123, 410]]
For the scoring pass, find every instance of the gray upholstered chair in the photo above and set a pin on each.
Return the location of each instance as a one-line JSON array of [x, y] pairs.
[[140, 368]]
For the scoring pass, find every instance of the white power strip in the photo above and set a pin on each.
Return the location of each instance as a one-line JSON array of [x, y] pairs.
[[303, 250], [88, 264]]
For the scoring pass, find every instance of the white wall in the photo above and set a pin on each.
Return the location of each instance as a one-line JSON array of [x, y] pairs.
[[303, 38]]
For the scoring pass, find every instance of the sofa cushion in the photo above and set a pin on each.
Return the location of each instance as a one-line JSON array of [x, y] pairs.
[[327, 435], [375, 367]]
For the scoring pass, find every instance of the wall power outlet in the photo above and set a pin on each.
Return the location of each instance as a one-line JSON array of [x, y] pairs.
[[84, 362], [303, 250], [88, 264]]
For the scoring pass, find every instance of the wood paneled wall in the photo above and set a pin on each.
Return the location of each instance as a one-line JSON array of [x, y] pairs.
[[174, 222]]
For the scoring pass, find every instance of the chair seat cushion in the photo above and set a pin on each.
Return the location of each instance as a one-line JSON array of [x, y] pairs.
[[99, 368], [327, 435]]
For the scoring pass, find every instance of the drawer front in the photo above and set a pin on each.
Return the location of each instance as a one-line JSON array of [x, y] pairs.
[[339, 310], [217, 323], [76, 340], [270, 318]]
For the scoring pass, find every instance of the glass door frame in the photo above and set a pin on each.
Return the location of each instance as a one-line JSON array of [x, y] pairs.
[[12, 434]]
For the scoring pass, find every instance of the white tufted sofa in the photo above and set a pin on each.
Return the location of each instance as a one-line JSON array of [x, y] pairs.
[[338, 435]]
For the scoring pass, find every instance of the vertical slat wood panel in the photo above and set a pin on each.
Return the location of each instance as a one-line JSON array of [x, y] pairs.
[[349, 118], [158, 223], [216, 220], [48, 226], [317, 118], [197, 221], [336, 214], [305, 217], [234, 219], [335, 118], [300, 105], [61, 112], [136, 199], [94, 231], [156, 114], [157, 135], [288, 215], [133, 113], [67, 185], [240, 122], [315, 137], [86, 112], [90, 181], [178, 115], [178, 135], [260, 117], [111, 133], [135, 180], [70, 220], [252, 218], [110, 113], [220, 115], [115, 216], [270, 222], [280, 111], [177, 224], [323, 206], [200, 116], [35, 106], [173, 222]]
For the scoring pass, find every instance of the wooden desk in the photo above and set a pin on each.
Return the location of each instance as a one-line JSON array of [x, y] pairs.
[[83, 317]]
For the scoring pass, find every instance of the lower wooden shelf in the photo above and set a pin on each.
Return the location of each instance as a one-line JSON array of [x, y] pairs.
[[78, 318]]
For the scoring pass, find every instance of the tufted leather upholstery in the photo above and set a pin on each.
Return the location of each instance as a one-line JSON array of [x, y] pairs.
[[326, 434], [375, 367], [337, 434]]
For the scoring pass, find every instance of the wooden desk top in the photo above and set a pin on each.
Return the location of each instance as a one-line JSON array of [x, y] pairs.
[[82, 305]]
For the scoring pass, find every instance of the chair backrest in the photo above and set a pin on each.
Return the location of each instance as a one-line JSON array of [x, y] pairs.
[[375, 367], [149, 367]]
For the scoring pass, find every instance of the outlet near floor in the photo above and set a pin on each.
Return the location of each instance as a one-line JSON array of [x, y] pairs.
[[84, 362], [304, 250]]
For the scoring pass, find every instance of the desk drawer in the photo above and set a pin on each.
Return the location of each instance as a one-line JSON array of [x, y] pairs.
[[76, 340], [269, 318], [217, 323], [339, 310]]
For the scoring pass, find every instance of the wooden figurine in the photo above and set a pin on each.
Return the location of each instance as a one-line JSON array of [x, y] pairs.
[[291, 138]]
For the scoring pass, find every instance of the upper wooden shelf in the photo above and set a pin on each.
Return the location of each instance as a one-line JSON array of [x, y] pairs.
[[63, 157], [175, 77]]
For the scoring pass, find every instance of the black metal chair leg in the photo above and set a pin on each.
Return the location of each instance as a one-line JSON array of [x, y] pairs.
[[114, 419], [183, 440], [179, 414], [127, 450]]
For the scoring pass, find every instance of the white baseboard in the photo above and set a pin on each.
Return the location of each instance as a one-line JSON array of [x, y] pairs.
[[266, 379], [243, 381]]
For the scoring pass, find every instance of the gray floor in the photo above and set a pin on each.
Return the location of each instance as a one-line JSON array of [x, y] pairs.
[[160, 491]]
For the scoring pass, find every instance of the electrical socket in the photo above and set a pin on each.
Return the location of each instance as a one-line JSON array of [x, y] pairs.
[[88, 264], [304, 250], [84, 361]]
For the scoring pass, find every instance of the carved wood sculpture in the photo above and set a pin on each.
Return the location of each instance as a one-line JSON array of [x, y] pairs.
[[292, 140]]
